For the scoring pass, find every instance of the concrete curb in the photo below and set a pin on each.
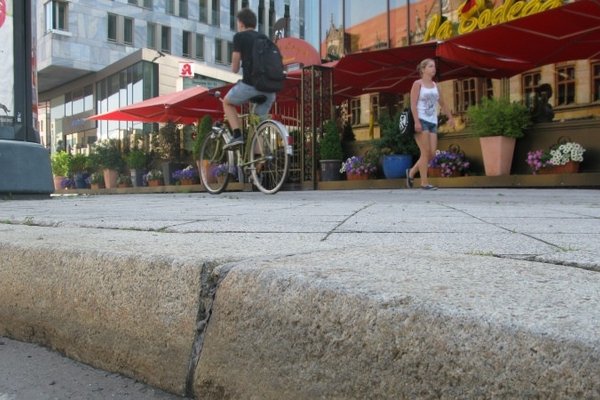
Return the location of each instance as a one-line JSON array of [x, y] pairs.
[[441, 326], [133, 315]]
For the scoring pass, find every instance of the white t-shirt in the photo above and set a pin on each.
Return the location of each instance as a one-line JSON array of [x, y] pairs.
[[427, 104]]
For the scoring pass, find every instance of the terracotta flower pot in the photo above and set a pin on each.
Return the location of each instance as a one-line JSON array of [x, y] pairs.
[[110, 178], [497, 152]]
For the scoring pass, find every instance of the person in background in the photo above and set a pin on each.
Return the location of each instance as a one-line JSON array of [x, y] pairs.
[[243, 90], [424, 98]]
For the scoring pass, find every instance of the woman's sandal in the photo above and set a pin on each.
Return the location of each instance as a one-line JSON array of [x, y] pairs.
[[409, 181]]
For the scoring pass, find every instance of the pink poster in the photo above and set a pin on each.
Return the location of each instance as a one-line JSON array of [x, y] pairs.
[[7, 57]]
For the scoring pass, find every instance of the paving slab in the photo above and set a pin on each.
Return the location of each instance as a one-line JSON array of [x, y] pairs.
[[480, 267]]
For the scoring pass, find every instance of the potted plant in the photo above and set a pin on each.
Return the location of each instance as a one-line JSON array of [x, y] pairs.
[[358, 168], [560, 159], [168, 144], [186, 176], [60, 163], [154, 177], [219, 172], [136, 162], [124, 181], [97, 180], [110, 160], [498, 123], [447, 163], [331, 152], [79, 164], [396, 149], [202, 129]]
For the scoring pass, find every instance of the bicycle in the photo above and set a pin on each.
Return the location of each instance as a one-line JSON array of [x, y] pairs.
[[265, 161]]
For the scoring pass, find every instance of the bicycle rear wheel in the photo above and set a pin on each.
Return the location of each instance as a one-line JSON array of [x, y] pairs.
[[269, 157], [214, 163]]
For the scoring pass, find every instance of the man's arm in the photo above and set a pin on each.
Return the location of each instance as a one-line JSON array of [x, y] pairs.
[[235, 62]]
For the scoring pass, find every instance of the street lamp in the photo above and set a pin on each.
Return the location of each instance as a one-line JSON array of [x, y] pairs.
[[24, 163]]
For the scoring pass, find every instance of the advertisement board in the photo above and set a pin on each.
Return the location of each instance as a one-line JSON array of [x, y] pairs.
[[7, 97]]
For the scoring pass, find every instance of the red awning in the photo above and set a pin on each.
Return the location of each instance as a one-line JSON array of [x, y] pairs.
[[569, 32], [394, 70]]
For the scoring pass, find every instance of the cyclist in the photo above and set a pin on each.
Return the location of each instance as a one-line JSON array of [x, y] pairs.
[[243, 90]]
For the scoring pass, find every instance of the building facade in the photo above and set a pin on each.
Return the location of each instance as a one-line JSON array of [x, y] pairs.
[[97, 55]]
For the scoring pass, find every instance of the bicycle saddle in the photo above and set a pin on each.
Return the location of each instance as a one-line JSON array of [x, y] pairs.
[[261, 98]]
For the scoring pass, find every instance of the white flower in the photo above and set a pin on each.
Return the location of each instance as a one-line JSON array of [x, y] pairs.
[[566, 152]]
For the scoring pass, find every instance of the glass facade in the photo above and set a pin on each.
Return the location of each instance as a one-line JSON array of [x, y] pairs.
[[348, 26]]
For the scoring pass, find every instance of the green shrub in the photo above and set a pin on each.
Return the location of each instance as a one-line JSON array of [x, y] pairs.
[[499, 117], [61, 163], [204, 127], [330, 147]]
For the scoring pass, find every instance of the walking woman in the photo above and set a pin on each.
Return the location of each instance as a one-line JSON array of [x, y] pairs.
[[424, 97]]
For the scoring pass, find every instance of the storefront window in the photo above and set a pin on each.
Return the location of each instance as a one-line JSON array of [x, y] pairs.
[[465, 94]]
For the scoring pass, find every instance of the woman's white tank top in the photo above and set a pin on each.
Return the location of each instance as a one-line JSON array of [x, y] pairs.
[[427, 104]]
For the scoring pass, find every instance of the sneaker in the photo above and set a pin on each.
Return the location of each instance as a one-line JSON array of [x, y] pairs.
[[409, 181], [429, 187], [236, 141]]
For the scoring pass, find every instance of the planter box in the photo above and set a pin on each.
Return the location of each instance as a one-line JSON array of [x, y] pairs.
[[569, 168]]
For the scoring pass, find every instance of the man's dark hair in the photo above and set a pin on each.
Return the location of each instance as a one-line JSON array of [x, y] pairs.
[[247, 17]]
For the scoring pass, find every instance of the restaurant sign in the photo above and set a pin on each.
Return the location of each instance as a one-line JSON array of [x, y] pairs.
[[473, 15]]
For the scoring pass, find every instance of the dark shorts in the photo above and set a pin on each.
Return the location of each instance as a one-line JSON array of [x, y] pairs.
[[428, 126]]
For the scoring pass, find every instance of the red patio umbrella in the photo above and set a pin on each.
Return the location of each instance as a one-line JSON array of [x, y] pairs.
[[185, 106]]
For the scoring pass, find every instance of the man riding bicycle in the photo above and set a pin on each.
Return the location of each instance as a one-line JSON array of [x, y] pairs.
[[243, 90]]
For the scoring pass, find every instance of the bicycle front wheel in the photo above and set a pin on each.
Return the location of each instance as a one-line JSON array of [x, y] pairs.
[[269, 157], [214, 164]]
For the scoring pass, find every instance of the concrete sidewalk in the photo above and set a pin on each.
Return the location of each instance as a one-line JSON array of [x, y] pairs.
[[329, 294]]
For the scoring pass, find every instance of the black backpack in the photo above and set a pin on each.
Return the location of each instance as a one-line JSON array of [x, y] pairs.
[[267, 65]]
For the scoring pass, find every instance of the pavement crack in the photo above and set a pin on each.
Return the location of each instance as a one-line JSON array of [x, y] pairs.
[[537, 258], [344, 221], [506, 229]]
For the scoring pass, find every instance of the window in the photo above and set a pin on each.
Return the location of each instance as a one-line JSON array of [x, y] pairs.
[[151, 38], [229, 52], [165, 39], [596, 82], [120, 29], [355, 111], [565, 85], [56, 15], [170, 7], [216, 12], [233, 6], [219, 51], [465, 94], [183, 8], [148, 4], [128, 30], [203, 12], [186, 50], [261, 16], [134, 2], [245, 4], [375, 107], [199, 46], [271, 17], [530, 82], [112, 27]]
